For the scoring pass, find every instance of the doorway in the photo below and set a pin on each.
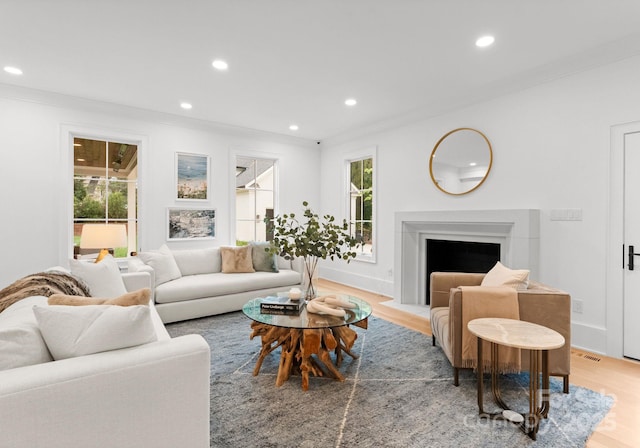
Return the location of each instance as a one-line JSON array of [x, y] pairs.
[[631, 288], [623, 269]]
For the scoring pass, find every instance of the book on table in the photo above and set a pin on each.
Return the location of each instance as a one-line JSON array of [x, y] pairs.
[[281, 305]]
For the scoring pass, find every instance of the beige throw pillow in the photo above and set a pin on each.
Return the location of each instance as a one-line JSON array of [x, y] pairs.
[[236, 259], [500, 275], [139, 297]]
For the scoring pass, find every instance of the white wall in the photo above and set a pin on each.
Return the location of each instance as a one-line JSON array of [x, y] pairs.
[[551, 151], [33, 180]]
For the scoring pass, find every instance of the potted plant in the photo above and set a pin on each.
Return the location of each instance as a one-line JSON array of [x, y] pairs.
[[315, 238]]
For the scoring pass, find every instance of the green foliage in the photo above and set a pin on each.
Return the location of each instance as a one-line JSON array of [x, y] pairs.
[[79, 190], [88, 208], [117, 205], [362, 179], [315, 238]]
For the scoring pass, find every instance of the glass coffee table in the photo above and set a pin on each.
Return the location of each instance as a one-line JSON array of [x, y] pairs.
[[306, 340]]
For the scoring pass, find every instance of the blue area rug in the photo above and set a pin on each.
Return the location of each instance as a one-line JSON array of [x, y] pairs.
[[398, 393]]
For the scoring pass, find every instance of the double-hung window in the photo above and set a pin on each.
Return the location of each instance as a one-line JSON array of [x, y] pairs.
[[361, 203], [105, 176]]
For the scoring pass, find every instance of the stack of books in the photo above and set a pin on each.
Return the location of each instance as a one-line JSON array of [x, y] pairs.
[[281, 305]]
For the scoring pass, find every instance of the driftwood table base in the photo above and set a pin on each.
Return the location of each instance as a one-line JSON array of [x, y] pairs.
[[306, 351]]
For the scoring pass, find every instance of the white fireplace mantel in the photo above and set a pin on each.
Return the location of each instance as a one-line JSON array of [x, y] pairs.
[[517, 232]]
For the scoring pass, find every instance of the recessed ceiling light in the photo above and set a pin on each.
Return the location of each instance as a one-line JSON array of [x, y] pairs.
[[186, 106], [473, 164], [80, 160], [13, 70], [294, 127], [77, 144], [350, 102], [219, 64], [485, 41]]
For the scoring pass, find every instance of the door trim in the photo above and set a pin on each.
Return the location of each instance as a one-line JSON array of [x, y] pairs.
[[615, 231]]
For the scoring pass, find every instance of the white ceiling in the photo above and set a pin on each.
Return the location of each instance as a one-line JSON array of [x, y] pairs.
[[296, 61]]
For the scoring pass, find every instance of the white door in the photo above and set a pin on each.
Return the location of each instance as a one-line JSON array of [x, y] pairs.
[[631, 304]]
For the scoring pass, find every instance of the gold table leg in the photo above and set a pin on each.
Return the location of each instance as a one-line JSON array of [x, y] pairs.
[[538, 367]]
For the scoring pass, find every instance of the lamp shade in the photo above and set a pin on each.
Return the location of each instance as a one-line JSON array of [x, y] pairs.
[[100, 236]]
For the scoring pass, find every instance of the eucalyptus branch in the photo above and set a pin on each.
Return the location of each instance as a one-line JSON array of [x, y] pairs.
[[316, 238]]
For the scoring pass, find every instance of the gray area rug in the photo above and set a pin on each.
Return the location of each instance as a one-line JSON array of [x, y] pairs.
[[398, 393]]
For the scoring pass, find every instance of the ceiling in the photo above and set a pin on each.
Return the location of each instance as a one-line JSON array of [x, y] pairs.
[[296, 61]]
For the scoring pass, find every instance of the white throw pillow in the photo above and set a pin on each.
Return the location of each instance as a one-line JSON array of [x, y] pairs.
[[71, 331], [103, 279], [500, 275], [21, 342], [163, 264], [198, 261]]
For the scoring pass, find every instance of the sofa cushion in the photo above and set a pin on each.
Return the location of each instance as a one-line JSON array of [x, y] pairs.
[[212, 285], [236, 259], [441, 329], [71, 331], [500, 275], [163, 264], [198, 261], [103, 278], [261, 259], [21, 343]]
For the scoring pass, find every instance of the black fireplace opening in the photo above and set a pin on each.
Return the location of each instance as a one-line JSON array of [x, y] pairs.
[[459, 256]]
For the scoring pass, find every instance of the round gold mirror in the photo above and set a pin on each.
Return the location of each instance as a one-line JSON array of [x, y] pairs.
[[461, 160]]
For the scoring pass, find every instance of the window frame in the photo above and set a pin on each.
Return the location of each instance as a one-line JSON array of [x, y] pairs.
[[234, 155], [68, 133], [362, 154]]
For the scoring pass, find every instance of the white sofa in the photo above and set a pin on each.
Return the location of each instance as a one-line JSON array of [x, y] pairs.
[[117, 398], [190, 283]]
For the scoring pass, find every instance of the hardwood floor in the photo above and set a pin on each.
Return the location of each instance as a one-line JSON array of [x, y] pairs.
[[619, 378]]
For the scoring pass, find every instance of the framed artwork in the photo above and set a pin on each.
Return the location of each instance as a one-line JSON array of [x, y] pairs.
[[192, 177], [191, 223]]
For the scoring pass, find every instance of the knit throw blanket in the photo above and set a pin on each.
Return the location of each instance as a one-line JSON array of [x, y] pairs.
[[42, 284], [488, 301]]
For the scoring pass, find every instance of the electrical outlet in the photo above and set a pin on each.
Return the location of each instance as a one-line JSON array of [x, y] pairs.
[[577, 306]]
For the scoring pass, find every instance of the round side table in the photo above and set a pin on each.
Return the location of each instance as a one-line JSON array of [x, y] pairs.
[[524, 335]]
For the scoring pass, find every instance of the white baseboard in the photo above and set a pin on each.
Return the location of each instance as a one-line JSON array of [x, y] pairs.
[[589, 338], [364, 282]]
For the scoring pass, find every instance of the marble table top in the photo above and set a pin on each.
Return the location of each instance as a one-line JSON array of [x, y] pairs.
[[516, 333]]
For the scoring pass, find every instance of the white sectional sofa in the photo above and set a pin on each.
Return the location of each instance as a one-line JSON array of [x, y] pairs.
[[192, 283], [117, 398]]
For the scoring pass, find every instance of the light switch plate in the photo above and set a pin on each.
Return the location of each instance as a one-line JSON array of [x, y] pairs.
[[566, 214]]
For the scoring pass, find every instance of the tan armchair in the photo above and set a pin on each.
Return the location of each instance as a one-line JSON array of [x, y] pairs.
[[539, 304]]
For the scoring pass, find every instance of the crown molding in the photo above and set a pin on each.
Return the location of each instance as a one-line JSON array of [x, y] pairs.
[[53, 99]]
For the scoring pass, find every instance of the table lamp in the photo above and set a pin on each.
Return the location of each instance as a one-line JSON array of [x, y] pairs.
[[105, 236]]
